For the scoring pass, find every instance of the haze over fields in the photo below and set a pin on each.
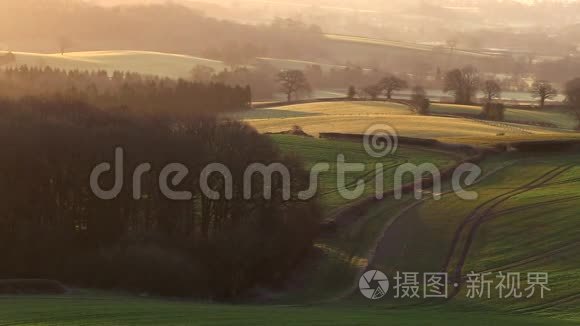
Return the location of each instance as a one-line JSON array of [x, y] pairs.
[[513, 42], [289, 162]]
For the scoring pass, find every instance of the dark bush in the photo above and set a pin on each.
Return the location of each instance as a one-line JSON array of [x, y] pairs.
[[420, 101]]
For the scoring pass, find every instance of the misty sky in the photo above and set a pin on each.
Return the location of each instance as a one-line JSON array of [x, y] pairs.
[[353, 2]]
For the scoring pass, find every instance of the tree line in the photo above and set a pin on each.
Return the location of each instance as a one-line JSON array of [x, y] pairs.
[[464, 84], [133, 90], [52, 226]]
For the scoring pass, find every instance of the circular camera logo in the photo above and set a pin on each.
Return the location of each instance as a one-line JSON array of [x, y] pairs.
[[373, 284], [381, 140]]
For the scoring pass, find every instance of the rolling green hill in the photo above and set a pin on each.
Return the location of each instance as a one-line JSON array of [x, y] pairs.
[[520, 230], [525, 220], [314, 151]]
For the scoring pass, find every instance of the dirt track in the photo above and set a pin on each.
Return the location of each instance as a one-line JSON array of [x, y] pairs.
[[385, 240], [535, 258], [478, 216]]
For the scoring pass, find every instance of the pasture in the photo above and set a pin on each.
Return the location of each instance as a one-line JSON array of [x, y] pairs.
[[299, 64], [314, 151], [520, 231], [557, 117], [525, 220], [356, 117], [406, 46], [98, 309], [144, 62]]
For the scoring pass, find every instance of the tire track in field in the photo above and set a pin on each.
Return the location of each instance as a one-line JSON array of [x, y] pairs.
[[366, 178], [530, 206], [478, 216], [371, 255], [550, 304], [382, 237], [516, 128], [533, 259], [563, 182]]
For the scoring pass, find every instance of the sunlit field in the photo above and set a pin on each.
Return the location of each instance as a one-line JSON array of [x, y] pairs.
[[559, 118], [314, 151], [149, 63], [356, 117], [520, 197]]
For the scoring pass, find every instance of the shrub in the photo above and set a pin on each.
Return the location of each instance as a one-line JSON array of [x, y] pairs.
[[493, 111], [351, 92], [420, 101]]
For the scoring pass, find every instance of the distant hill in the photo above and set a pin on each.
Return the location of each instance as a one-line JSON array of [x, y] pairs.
[[144, 62]]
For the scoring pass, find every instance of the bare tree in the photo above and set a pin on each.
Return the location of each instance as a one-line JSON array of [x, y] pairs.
[[491, 90], [64, 43], [463, 83], [543, 90], [391, 84], [351, 92], [293, 82], [372, 91], [573, 97], [420, 101], [452, 45]]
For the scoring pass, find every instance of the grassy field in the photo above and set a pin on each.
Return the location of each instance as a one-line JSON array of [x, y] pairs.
[[119, 310], [341, 256], [525, 220], [313, 151], [389, 44], [523, 233], [559, 118], [356, 117], [153, 63], [298, 64]]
